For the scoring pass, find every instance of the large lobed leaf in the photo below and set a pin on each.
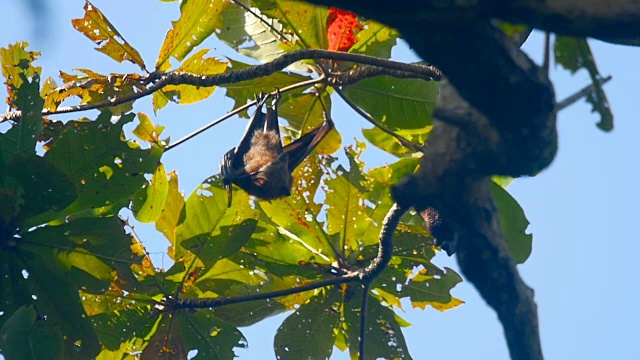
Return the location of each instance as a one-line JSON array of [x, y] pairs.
[[106, 170]]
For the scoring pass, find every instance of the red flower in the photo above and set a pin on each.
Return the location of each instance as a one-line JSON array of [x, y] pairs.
[[341, 26]]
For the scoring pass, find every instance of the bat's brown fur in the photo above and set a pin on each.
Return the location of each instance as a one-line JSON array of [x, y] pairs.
[[265, 148]]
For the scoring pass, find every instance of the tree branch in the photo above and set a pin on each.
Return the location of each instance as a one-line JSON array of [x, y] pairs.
[[584, 92], [617, 21], [250, 73], [363, 275]]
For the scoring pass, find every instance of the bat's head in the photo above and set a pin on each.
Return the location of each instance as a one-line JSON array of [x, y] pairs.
[[273, 180]]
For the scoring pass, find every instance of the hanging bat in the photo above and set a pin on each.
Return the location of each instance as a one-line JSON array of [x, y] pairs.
[[260, 165]]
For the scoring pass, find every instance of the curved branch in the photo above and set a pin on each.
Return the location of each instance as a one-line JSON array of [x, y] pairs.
[[250, 73], [210, 303], [364, 275]]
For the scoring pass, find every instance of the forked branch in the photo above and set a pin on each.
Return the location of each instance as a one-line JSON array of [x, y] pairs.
[[365, 275]]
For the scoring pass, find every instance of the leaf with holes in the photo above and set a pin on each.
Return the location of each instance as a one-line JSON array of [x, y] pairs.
[[106, 169], [308, 333], [98, 29]]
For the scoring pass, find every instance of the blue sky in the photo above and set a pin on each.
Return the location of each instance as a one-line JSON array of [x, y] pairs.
[[582, 209]]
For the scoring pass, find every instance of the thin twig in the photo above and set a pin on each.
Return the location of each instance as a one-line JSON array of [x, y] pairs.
[[363, 318], [547, 51], [585, 91], [404, 142], [240, 109]]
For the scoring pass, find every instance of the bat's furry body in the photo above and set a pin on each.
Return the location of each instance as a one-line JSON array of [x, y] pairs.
[[260, 165]]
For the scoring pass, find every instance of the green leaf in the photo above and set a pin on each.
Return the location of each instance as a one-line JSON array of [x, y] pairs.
[[248, 313], [431, 290], [347, 215], [514, 223], [8, 206], [198, 20], [93, 87], [304, 112], [171, 212], [390, 144], [381, 179], [502, 181], [575, 54], [300, 228], [277, 250], [308, 333], [223, 242], [34, 276], [46, 188], [391, 174], [211, 337], [376, 39], [397, 104], [106, 169], [412, 249], [147, 131], [119, 326], [383, 328], [178, 335], [210, 229], [98, 247], [98, 29], [517, 33], [149, 201], [25, 337]]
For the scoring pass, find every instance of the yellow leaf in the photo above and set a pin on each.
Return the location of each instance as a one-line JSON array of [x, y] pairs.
[[98, 29], [438, 306], [198, 65]]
